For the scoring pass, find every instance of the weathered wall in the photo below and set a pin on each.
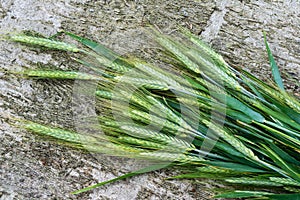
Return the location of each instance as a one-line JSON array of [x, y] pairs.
[[36, 169]]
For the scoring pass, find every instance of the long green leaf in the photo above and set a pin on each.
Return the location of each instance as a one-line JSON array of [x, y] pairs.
[[293, 172], [243, 194], [141, 171], [284, 197], [274, 67], [98, 48]]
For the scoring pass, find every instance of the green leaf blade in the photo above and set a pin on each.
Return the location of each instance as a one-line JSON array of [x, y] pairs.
[[274, 67]]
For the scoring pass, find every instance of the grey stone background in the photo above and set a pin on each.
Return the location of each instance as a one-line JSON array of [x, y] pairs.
[[35, 169]]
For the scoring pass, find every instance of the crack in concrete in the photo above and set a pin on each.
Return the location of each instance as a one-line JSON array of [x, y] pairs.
[[215, 21]]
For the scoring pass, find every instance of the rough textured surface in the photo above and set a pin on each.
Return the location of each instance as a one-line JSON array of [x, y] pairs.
[[36, 169]]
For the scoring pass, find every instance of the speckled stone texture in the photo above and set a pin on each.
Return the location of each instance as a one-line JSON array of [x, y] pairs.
[[32, 168]]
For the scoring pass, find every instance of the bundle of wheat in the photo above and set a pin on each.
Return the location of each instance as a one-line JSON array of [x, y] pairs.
[[197, 113]]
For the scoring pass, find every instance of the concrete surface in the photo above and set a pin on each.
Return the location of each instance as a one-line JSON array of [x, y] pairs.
[[35, 169]]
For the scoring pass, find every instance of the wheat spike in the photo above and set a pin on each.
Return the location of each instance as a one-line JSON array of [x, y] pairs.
[[173, 157], [252, 181], [60, 75], [285, 181], [45, 43]]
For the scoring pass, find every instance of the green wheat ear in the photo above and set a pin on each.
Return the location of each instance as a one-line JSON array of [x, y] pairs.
[[51, 44], [256, 144]]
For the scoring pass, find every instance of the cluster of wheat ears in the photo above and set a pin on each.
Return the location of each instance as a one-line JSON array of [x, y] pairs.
[[195, 113]]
